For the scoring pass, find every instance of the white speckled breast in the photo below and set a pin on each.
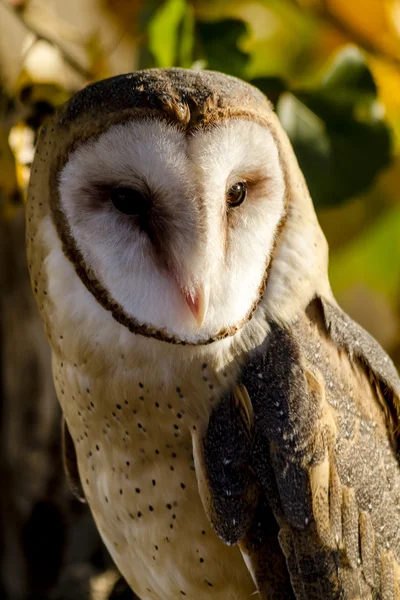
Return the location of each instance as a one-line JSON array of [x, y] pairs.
[[134, 450]]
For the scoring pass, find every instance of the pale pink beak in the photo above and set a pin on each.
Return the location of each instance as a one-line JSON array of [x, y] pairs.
[[197, 301]]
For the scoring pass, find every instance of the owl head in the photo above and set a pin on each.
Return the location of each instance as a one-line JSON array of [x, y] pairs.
[[177, 200]]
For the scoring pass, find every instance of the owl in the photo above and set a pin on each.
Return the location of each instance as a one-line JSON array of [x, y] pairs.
[[233, 432]]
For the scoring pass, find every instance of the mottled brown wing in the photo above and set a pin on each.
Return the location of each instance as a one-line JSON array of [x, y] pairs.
[[253, 493], [291, 441], [233, 500], [347, 334], [359, 344], [320, 451], [325, 397], [70, 463]]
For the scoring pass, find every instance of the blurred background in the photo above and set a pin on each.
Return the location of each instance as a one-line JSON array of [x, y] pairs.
[[331, 69]]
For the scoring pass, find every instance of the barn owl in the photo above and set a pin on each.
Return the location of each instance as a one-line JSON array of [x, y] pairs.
[[232, 430]]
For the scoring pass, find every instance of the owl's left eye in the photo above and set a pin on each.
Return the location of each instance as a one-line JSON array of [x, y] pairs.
[[237, 194], [129, 201]]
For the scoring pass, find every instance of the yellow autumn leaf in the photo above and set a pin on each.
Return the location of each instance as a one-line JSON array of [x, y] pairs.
[[387, 78], [372, 21]]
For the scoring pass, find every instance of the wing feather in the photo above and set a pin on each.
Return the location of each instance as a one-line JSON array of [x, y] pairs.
[[303, 445]]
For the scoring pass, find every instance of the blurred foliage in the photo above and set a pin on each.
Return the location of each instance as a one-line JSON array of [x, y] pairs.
[[330, 67]]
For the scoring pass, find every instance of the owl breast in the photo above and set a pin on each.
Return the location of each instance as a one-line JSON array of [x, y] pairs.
[[134, 449]]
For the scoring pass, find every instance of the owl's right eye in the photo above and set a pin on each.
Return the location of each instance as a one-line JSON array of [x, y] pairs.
[[129, 201]]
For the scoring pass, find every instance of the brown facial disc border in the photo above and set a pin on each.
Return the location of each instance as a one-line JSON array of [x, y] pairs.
[[88, 277]]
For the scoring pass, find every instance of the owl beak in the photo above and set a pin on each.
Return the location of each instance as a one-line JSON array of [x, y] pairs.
[[197, 301]]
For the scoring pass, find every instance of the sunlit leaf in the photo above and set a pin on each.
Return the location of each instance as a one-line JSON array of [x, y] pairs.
[[186, 39], [372, 21], [311, 144], [349, 72], [163, 32]]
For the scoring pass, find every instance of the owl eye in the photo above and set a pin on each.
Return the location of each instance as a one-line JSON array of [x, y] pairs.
[[237, 194], [129, 201]]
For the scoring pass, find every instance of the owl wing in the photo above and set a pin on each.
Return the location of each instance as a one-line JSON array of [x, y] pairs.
[[313, 478], [233, 499], [70, 463], [358, 343]]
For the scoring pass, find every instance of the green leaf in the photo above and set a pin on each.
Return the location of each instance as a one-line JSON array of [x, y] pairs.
[[163, 32], [370, 258], [347, 90], [217, 43], [337, 130], [348, 73], [310, 141], [186, 39]]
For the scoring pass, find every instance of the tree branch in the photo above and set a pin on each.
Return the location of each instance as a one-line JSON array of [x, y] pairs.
[[69, 59]]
